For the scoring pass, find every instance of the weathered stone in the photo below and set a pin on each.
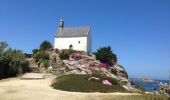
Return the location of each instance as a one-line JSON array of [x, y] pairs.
[[103, 69], [71, 63], [118, 67], [66, 61], [83, 72], [41, 65], [111, 75], [70, 67], [87, 71], [75, 72], [97, 62], [93, 69], [50, 68]]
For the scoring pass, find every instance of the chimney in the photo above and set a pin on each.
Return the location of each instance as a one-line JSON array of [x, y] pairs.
[[61, 24]]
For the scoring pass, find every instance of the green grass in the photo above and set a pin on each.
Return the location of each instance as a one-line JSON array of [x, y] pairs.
[[80, 83]]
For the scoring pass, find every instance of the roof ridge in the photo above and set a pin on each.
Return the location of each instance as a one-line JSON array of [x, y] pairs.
[[78, 27]]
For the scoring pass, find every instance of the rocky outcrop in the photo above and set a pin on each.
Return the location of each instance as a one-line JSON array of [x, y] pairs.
[[87, 65], [82, 64]]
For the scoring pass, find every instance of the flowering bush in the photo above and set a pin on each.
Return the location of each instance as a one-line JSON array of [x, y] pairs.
[[106, 82], [75, 56], [56, 50], [102, 65], [71, 57]]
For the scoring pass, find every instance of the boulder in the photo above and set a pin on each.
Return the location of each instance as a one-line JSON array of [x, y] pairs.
[[71, 63], [75, 72], [83, 72], [50, 68], [70, 67]]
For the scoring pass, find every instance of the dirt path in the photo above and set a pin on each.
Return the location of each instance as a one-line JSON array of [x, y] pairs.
[[17, 89]]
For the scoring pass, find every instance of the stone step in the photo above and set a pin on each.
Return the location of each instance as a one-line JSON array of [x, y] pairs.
[[58, 72]]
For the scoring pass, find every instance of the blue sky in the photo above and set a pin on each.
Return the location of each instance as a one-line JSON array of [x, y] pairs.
[[137, 30]]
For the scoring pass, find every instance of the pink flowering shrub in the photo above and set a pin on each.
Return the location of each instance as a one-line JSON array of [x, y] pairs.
[[56, 50], [71, 57], [107, 83], [77, 56], [102, 65]]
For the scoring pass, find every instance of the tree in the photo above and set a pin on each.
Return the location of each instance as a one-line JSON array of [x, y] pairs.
[[46, 45], [34, 51], [105, 55], [3, 45], [12, 62]]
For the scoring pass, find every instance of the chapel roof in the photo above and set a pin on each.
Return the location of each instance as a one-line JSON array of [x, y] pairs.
[[73, 32]]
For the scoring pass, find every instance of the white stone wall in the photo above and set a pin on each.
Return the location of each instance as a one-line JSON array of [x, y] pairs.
[[65, 42]]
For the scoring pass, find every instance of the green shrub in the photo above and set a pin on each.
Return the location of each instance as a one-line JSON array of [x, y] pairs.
[[66, 53], [13, 63], [105, 55], [45, 63], [34, 51], [28, 55], [3, 46], [41, 55], [45, 46]]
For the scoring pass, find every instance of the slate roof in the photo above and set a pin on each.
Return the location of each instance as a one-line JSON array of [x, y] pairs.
[[73, 32]]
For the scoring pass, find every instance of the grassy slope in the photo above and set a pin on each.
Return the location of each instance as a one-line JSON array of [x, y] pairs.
[[80, 83]]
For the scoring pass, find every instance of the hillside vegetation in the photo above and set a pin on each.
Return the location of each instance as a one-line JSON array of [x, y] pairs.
[[81, 83]]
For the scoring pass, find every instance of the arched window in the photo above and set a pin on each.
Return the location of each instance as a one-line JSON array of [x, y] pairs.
[[70, 46]]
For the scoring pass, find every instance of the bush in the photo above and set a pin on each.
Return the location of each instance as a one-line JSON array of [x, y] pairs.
[[3, 46], [45, 63], [41, 55], [13, 63], [56, 50], [105, 55], [66, 53], [34, 51], [45, 46], [28, 55]]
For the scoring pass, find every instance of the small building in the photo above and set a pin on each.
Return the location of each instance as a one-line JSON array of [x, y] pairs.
[[76, 38]]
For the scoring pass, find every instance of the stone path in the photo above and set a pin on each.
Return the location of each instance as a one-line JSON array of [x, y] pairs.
[[19, 89]]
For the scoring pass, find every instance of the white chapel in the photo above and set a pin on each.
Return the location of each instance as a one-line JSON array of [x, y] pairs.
[[76, 38]]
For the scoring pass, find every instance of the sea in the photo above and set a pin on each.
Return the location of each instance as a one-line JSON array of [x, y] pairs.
[[148, 85]]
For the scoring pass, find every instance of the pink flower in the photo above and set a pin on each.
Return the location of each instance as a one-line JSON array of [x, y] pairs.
[[102, 65], [106, 82], [71, 57], [56, 50], [94, 78]]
